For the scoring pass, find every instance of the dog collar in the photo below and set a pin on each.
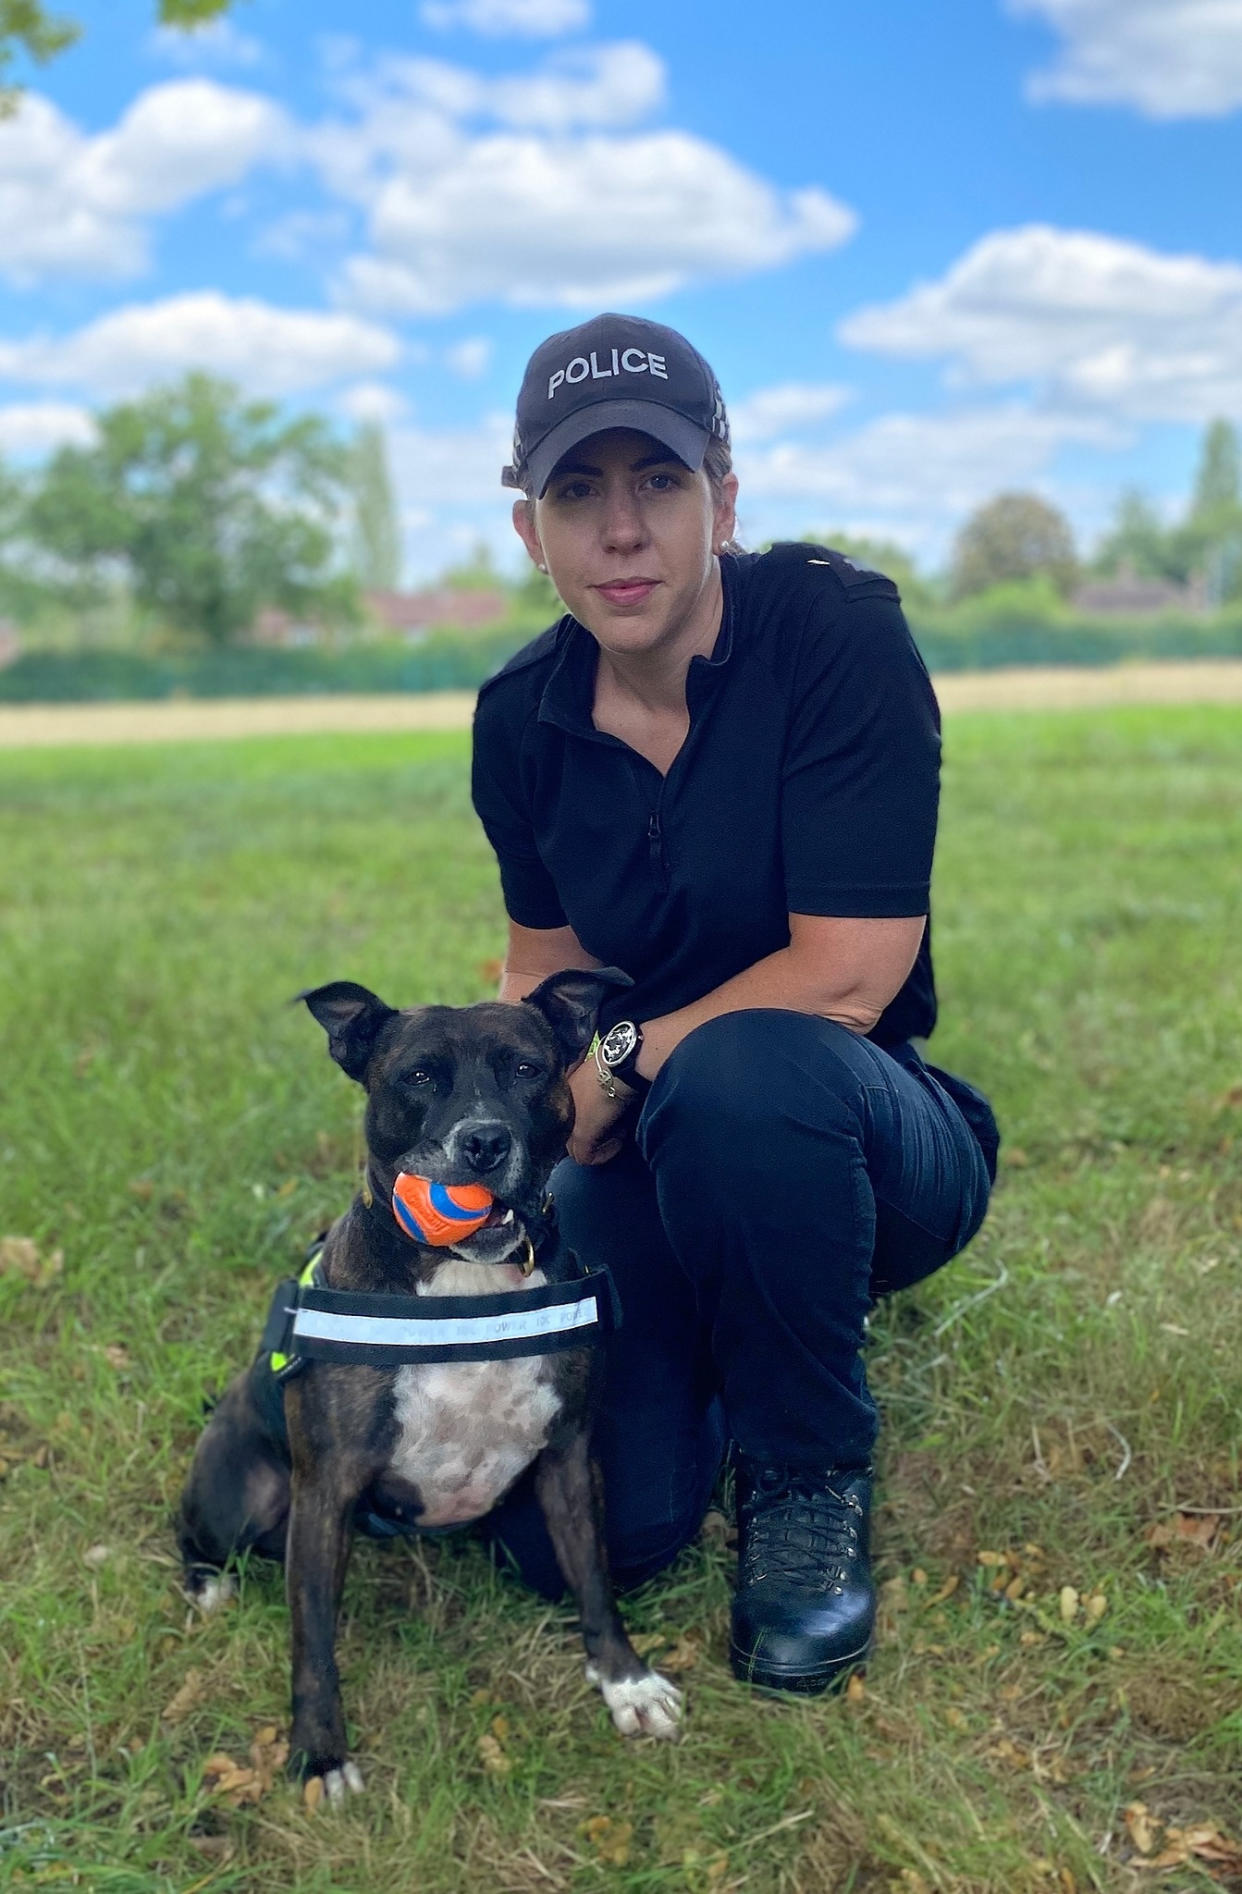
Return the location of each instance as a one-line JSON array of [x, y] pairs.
[[307, 1322]]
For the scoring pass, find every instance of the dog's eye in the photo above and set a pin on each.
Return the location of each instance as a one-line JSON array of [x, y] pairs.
[[419, 1076], [525, 1069]]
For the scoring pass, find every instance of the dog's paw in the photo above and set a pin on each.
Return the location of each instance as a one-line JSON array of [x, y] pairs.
[[332, 1783], [210, 1592], [641, 1706]]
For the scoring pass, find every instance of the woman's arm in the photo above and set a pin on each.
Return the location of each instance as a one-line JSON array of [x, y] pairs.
[[535, 952], [842, 969]]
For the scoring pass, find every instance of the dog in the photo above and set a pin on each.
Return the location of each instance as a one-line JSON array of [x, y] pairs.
[[288, 1466]]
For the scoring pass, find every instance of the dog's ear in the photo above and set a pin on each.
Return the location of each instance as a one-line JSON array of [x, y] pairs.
[[352, 1016], [570, 1002]]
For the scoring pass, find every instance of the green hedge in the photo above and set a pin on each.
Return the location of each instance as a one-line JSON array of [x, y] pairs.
[[109, 676], [967, 642], [961, 642]]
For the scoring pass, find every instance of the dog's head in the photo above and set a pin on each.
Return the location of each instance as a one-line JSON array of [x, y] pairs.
[[469, 1094]]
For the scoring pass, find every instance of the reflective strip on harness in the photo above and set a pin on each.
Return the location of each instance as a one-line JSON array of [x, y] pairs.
[[309, 1323], [378, 1331]]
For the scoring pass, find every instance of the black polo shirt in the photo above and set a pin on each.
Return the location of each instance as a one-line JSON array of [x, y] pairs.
[[807, 784]]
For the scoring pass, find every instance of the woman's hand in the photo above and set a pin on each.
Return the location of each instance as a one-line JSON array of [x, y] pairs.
[[598, 1132]]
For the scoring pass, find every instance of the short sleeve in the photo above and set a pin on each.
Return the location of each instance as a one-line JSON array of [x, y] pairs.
[[502, 804], [860, 783]]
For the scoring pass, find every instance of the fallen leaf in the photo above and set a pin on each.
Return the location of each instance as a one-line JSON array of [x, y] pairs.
[[493, 1757], [856, 1689], [610, 1839], [185, 1699], [1016, 1157], [1068, 1604], [684, 1654], [993, 1559], [96, 1555], [117, 1356], [1197, 1529], [1142, 1829], [947, 1590], [1095, 1604], [312, 1793], [19, 1256]]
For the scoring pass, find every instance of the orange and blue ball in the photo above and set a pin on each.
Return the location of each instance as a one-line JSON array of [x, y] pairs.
[[439, 1214]]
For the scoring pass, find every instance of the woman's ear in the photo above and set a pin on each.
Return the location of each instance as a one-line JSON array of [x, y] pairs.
[[526, 530]]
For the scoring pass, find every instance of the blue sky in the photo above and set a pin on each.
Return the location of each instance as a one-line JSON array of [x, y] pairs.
[[932, 252]]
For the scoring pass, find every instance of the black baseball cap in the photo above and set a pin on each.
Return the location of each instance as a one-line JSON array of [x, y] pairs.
[[614, 371]]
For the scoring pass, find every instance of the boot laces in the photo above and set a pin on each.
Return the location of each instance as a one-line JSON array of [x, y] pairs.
[[800, 1527]]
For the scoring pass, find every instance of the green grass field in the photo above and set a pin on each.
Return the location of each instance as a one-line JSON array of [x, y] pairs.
[[1056, 1693]]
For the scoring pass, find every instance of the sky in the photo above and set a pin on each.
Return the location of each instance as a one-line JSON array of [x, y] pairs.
[[933, 252]]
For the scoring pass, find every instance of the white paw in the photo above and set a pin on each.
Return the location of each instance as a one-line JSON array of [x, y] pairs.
[[215, 1593], [641, 1706], [340, 1783]]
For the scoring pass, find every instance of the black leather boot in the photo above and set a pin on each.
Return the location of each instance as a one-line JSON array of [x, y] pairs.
[[805, 1605]]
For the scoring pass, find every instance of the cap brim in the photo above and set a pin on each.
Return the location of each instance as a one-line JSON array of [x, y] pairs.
[[688, 442]]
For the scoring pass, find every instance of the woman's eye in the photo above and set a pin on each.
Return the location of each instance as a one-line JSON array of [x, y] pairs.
[[576, 490], [663, 482]]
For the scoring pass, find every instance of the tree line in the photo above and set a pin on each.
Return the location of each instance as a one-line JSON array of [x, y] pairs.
[[198, 508]]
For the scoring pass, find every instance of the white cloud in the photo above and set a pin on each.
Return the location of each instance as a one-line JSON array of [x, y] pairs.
[[925, 467], [580, 222], [1167, 58], [1089, 319], [36, 427], [529, 191], [372, 401], [71, 204], [471, 357], [788, 406], [531, 19], [214, 42], [267, 350]]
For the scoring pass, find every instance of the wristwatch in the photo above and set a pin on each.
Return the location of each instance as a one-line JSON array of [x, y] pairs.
[[616, 1057]]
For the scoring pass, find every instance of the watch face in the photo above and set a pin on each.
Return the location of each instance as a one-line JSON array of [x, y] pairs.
[[618, 1043]]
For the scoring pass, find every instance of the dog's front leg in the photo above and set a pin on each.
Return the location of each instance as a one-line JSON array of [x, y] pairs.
[[570, 1492], [317, 1553]]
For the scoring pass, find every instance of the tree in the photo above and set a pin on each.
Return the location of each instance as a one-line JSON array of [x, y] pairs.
[[1208, 544], [1140, 540], [1015, 536], [27, 26], [1217, 489], [376, 530], [211, 506]]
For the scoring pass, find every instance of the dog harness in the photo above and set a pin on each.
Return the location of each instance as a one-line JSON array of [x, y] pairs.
[[308, 1322]]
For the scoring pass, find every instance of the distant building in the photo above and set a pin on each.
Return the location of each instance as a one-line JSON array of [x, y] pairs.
[[413, 614], [282, 629], [1126, 595], [10, 643]]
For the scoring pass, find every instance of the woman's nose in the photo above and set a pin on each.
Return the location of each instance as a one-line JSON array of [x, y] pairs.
[[623, 520]]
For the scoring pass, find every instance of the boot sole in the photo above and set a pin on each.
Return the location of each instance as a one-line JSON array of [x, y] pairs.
[[806, 1683]]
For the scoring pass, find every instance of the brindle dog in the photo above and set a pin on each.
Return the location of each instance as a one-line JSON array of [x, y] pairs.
[[474, 1094]]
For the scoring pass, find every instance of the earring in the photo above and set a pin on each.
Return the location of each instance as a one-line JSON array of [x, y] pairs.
[[540, 565]]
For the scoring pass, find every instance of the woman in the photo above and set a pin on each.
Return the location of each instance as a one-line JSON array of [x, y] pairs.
[[719, 771]]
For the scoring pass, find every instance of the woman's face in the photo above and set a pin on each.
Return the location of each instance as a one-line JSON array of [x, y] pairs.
[[628, 535]]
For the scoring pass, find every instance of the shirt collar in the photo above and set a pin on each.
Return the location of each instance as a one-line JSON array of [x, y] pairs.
[[569, 693]]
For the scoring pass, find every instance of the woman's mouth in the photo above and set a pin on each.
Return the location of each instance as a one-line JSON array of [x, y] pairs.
[[627, 591]]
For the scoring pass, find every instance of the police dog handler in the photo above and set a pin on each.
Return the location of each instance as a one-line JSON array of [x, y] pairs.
[[719, 772]]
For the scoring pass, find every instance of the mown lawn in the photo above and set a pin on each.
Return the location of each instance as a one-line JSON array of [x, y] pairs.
[[1055, 1701]]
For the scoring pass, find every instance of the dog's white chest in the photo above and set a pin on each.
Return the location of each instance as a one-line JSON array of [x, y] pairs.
[[467, 1429]]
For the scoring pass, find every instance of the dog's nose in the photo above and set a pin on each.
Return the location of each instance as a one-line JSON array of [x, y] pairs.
[[485, 1147]]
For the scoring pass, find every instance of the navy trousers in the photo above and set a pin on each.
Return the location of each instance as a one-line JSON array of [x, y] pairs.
[[783, 1174]]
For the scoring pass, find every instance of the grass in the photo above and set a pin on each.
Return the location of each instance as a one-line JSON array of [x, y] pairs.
[[1060, 1629]]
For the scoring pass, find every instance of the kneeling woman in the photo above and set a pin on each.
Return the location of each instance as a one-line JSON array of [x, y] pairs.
[[719, 772]]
